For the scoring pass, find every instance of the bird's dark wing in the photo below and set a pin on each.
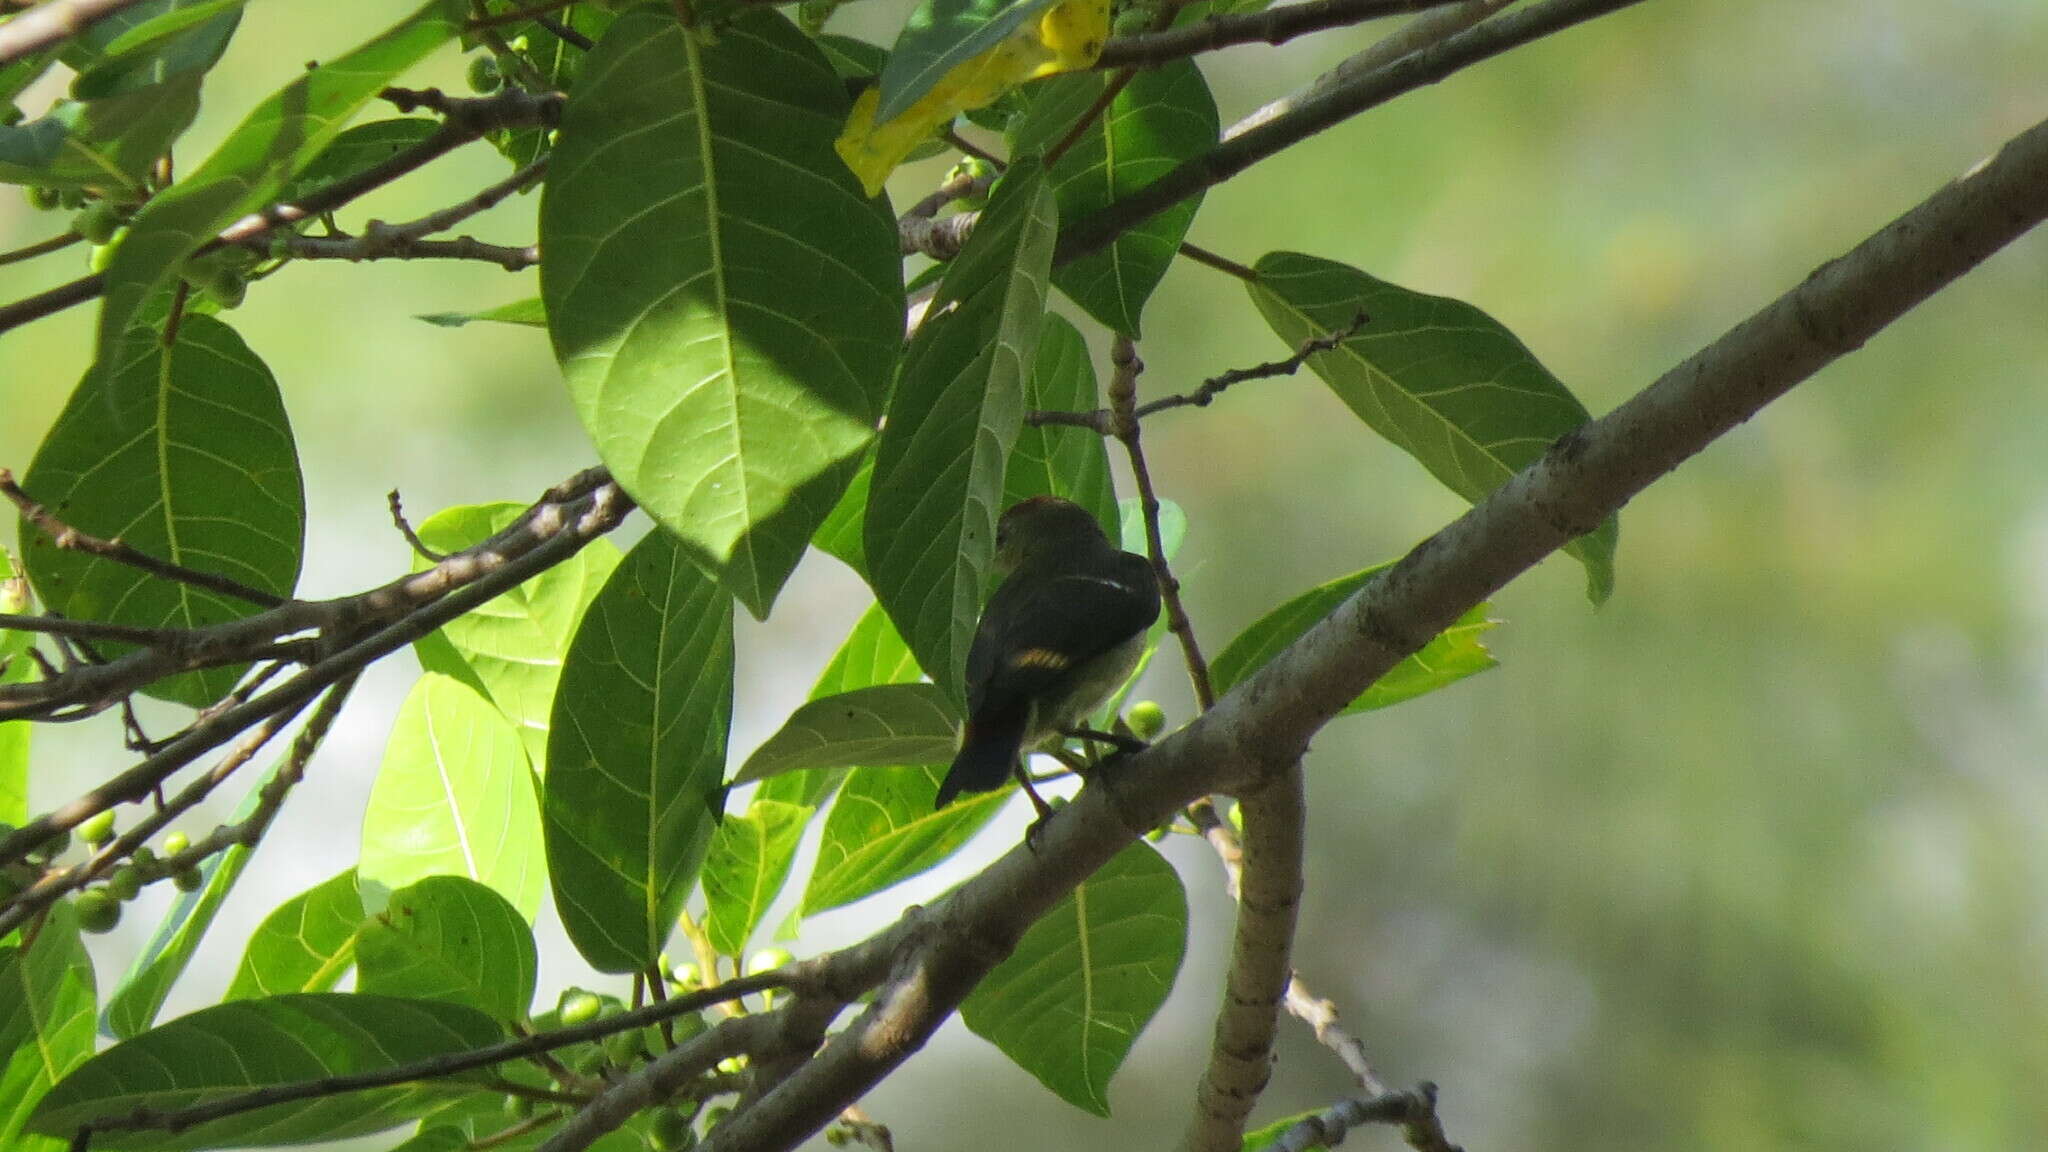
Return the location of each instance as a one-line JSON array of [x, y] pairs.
[[1038, 627]]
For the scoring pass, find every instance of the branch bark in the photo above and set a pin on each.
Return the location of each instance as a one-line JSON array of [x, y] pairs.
[[1260, 728]]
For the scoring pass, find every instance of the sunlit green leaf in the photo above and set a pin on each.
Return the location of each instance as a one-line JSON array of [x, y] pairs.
[[514, 643], [745, 870], [726, 305], [637, 754], [133, 1004], [1057, 459], [232, 1048], [185, 454], [450, 939], [953, 418], [882, 725], [1084, 981], [305, 944], [882, 830], [1441, 380], [46, 1009], [1457, 652], [454, 797], [1161, 118]]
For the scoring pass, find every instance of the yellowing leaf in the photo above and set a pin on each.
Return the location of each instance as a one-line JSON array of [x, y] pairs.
[[1066, 39]]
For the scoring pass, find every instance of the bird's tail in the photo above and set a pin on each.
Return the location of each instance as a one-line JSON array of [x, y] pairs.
[[988, 751]]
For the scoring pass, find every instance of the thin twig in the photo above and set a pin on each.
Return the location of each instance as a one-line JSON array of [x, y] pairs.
[[1123, 396], [434, 1068], [54, 884], [393, 616], [55, 243], [1414, 1112], [412, 538], [88, 629], [468, 119], [1214, 386], [1088, 117], [1102, 421], [71, 539], [382, 245], [1429, 28], [565, 34], [1220, 263]]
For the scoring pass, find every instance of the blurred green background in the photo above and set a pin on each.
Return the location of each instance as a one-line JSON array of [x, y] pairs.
[[1752, 857]]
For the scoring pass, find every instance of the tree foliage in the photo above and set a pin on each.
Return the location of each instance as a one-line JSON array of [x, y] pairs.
[[728, 304]]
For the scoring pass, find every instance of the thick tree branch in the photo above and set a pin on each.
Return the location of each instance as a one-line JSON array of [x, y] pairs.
[[1325, 109], [355, 631], [1273, 26], [71, 539], [1241, 1055], [1429, 28], [1261, 727]]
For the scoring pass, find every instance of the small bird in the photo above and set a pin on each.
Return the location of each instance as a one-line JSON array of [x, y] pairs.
[[1060, 636]]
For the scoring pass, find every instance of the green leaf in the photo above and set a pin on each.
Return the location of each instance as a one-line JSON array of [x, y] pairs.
[[305, 944], [878, 726], [134, 1003], [46, 1008], [558, 63], [726, 305], [638, 754], [1441, 380], [453, 940], [276, 139], [514, 644], [454, 797], [1455, 653], [1056, 459], [1084, 981], [938, 36], [748, 863], [179, 40], [185, 454], [528, 312], [871, 654], [1162, 117], [1260, 1139], [953, 418], [232, 1048], [357, 150], [840, 533], [170, 36], [107, 143], [882, 831], [851, 58]]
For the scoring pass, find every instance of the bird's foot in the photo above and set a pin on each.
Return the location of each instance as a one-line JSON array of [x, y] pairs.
[[1123, 744]]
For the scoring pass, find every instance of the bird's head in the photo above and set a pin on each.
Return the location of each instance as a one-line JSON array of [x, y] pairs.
[[1045, 529]]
